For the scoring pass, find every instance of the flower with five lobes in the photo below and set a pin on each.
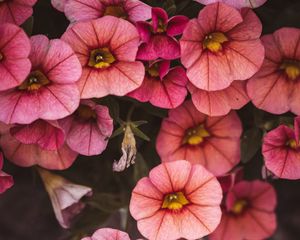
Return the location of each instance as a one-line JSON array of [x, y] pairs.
[[236, 3]]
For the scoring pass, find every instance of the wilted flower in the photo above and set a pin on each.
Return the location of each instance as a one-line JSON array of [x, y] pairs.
[[6, 181], [108, 234], [236, 3]]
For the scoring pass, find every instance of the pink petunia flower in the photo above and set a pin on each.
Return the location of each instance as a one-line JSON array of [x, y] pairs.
[[14, 52], [15, 11], [177, 200], [6, 181], [275, 88], [219, 103], [59, 4], [281, 151], [236, 3], [248, 212], [131, 10], [49, 92], [211, 141], [39, 143], [162, 87], [108, 234], [221, 45], [158, 36], [107, 49], [65, 196], [88, 129]]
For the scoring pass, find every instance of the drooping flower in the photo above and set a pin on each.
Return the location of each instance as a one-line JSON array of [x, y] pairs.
[[131, 10], [248, 212], [6, 181], [39, 143], [177, 200], [275, 88], [236, 3], [158, 36], [221, 45], [219, 103], [108, 234], [88, 129], [65, 196], [14, 52], [15, 11], [59, 4], [49, 92], [107, 50], [211, 141], [162, 87], [281, 151]]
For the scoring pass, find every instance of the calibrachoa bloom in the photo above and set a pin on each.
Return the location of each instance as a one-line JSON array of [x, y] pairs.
[[163, 87], [249, 212], [107, 49], [131, 10], [59, 4], [211, 141], [88, 129], [177, 200], [108, 234], [49, 91], [218, 49], [281, 151], [218, 103], [158, 36], [236, 3], [275, 88], [39, 143], [14, 52], [6, 181], [15, 11], [65, 196]]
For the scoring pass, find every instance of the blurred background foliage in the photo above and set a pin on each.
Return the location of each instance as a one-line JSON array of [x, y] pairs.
[[26, 212]]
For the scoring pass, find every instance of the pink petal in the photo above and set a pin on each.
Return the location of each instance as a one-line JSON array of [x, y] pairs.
[[137, 10], [176, 25], [158, 14], [109, 234], [39, 49], [59, 4], [144, 29], [236, 3]]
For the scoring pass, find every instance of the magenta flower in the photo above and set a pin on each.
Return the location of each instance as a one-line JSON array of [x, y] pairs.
[[177, 200], [219, 103], [59, 4], [131, 10], [39, 143], [275, 88], [236, 3], [281, 151], [6, 181], [108, 234], [14, 52], [88, 129], [15, 11], [162, 87], [218, 49], [158, 36], [249, 212], [188, 134], [49, 92], [107, 49]]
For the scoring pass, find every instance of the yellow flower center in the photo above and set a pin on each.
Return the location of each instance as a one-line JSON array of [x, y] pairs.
[[34, 81], [101, 58], [195, 136], [291, 69], [116, 11], [85, 113], [293, 144], [153, 70], [239, 207], [213, 42], [174, 201]]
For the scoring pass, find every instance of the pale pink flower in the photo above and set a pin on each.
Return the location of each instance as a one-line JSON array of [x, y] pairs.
[[236, 3], [108, 234]]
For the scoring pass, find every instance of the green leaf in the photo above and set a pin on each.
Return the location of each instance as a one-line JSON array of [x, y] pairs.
[[139, 133], [250, 144], [117, 132], [139, 123]]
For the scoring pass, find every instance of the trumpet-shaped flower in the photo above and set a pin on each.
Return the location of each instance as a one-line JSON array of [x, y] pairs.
[[236, 3], [108, 234]]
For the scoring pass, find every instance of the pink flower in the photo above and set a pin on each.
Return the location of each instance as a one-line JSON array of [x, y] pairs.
[[158, 36], [236, 3], [14, 52], [219, 103], [107, 49], [218, 49], [131, 10], [39, 143], [281, 151], [15, 11], [177, 200], [108, 234], [188, 134], [162, 87], [59, 4], [6, 181], [249, 212], [49, 92], [275, 88], [88, 129], [65, 196], [228, 180]]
